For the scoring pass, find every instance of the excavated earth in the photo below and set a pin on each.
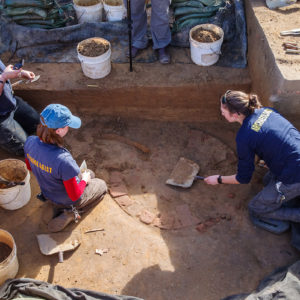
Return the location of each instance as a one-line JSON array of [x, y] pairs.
[[159, 241]]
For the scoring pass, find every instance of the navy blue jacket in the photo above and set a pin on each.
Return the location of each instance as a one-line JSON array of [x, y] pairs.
[[275, 140]]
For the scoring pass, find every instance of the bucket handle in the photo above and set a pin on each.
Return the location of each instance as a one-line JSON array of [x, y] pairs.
[[81, 15], [216, 52]]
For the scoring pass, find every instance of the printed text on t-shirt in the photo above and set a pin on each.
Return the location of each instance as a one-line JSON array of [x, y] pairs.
[[261, 120], [39, 165]]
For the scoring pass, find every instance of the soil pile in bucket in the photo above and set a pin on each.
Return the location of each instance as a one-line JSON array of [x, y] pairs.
[[5, 250], [113, 2], [93, 47], [205, 36], [86, 2]]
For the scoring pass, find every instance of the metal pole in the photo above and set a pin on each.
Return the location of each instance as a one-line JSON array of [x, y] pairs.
[[129, 33]]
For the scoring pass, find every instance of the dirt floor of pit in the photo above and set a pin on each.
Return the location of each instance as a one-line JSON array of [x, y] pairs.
[[230, 256]]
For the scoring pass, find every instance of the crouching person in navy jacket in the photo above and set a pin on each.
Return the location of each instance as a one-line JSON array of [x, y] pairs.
[[57, 172], [271, 137]]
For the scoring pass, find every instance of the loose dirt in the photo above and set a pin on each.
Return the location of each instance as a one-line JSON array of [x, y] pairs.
[[93, 47], [86, 2], [205, 36], [5, 250], [113, 2]]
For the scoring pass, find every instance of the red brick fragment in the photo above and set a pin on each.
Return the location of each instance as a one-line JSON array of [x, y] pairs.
[[165, 221], [147, 217], [118, 190], [124, 200], [201, 228]]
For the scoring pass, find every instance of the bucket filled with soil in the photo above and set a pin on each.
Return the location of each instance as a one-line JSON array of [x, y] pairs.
[[88, 10], [94, 55], [205, 42], [114, 10], [9, 264], [15, 191]]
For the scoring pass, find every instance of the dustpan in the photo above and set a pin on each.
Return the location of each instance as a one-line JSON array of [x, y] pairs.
[[184, 173], [57, 243]]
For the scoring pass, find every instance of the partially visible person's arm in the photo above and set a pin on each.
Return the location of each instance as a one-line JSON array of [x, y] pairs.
[[27, 164], [74, 189], [7, 74], [213, 180]]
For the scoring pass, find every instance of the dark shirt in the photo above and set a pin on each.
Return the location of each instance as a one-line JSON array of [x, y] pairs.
[[7, 99], [275, 140]]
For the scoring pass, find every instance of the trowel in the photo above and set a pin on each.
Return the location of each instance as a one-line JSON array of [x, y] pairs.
[[184, 173], [57, 243], [37, 77], [83, 167]]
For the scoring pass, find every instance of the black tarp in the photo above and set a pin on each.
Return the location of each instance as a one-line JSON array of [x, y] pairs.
[[282, 284], [59, 45], [17, 288]]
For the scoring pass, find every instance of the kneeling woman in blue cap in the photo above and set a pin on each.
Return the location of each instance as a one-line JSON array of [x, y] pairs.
[[56, 170]]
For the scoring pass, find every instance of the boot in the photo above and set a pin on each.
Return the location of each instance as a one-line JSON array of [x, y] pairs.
[[61, 222], [164, 57], [134, 51]]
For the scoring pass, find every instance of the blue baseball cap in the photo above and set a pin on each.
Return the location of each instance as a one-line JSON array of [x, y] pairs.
[[59, 116]]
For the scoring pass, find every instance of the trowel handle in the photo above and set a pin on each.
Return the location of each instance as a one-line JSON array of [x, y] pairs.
[[199, 177], [61, 256]]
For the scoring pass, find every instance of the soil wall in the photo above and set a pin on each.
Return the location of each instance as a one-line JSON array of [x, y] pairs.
[[174, 92]]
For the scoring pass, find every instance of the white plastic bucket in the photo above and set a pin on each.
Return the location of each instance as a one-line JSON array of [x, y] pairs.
[[98, 66], [206, 54], [90, 13], [17, 196], [9, 266], [114, 12]]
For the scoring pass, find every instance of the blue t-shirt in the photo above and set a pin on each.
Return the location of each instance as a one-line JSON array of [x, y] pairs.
[[7, 99], [275, 140], [51, 165]]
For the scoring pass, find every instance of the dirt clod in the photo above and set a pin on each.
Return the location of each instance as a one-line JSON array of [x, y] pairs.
[[205, 36], [5, 250], [93, 47]]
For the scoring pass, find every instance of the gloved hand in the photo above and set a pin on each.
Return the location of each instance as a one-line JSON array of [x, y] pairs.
[[86, 176]]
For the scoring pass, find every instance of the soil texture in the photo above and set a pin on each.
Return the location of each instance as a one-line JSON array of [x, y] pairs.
[[205, 36], [93, 47], [86, 2], [5, 251], [113, 2], [158, 242]]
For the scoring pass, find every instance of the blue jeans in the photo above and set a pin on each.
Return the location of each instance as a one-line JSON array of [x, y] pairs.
[[160, 29], [272, 200], [17, 126]]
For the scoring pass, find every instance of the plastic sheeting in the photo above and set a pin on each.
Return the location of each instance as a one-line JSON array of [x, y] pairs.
[[59, 45], [282, 284], [35, 289]]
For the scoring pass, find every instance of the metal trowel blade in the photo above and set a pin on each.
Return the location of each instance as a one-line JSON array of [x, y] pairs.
[[83, 166]]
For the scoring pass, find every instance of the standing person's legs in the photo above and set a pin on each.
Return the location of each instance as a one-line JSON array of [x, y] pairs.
[[12, 136], [269, 202], [139, 23], [160, 28], [26, 116]]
